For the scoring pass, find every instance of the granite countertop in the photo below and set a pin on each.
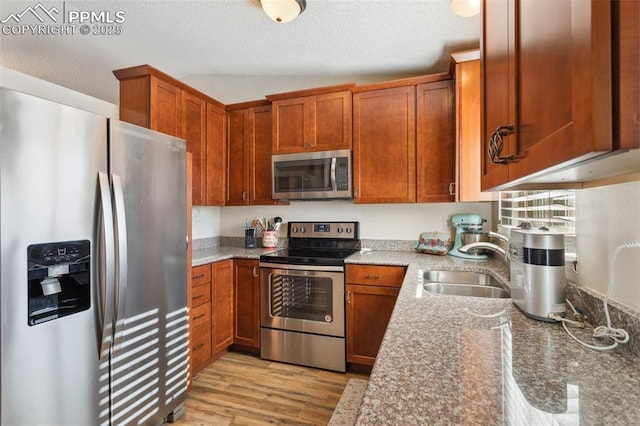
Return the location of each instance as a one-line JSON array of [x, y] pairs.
[[464, 360]]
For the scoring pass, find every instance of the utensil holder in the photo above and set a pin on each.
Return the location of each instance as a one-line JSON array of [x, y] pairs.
[[269, 239]]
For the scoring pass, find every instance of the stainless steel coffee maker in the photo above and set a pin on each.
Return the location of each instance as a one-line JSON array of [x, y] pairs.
[[537, 272]]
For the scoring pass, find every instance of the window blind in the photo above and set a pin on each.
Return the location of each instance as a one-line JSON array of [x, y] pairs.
[[553, 209]]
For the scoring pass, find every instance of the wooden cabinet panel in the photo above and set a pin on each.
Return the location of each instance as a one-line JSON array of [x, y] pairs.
[[627, 72], [200, 294], [201, 314], [216, 155], [237, 155], [222, 305], [165, 108], [201, 275], [378, 275], [369, 309], [466, 72], [320, 122], [249, 156], [434, 142], [550, 79], [333, 121], [200, 346], [246, 303], [371, 293], [260, 151], [194, 131], [384, 146]]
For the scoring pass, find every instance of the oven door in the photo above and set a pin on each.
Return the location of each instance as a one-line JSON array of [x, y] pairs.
[[302, 298]]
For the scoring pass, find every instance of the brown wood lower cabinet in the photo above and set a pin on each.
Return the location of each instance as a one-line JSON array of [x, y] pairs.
[[247, 303], [222, 307], [200, 318], [371, 295]]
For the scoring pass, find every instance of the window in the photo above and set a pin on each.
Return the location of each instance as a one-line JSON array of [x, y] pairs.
[[553, 209]]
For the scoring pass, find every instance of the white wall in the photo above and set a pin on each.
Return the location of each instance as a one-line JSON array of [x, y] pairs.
[[605, 218], [380, 221], [43, 89]]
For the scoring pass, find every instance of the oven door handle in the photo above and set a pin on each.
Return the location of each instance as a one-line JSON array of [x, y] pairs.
[[302, 267]]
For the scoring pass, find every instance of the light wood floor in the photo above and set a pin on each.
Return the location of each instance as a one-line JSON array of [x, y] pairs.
[[240, 389]]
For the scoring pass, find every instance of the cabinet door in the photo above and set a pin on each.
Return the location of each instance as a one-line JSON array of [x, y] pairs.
[[260, 152], [293, 122], [165, 108], [247, 303], [332, 114], [216, 155], [222, 305], [557, 88], [467, 133], [434, 142], [194, 131], [384, 146], [498, 89], [369, 309], [237, 193]]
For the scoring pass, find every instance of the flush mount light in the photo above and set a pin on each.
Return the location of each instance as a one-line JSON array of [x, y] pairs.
[[283, 11], [465, 8]]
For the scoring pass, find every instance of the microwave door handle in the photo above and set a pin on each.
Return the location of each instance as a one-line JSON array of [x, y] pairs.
[[334, 186]]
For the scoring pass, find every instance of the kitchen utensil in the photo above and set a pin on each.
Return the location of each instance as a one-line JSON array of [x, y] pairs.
[[277, 221]]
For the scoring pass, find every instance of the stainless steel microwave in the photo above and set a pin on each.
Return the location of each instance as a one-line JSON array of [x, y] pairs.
[[312, 175]]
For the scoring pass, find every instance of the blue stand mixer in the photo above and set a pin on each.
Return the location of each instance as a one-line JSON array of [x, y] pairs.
[[466, 223]]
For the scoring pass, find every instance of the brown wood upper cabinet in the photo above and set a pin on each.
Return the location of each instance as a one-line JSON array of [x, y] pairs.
[[153, 99], [249, 154], [548, 85], [465, 70], [312, 120], [403, 141]]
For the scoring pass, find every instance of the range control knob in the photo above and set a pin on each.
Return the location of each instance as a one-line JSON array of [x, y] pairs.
[[302, 230], [349, 230], [340, 230], [294, 230]]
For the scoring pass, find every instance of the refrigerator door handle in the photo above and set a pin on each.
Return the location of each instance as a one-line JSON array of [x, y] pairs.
[[121, 261], [106, 275]]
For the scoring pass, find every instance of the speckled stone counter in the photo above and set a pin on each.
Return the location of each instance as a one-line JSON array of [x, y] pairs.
[[462, 360], [217, 253]]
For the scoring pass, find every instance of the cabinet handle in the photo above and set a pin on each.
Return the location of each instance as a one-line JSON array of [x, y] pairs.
[[496, 145], [349, 297], [244, 196], [197, 277], [372, 276], [198, 347], [255, 272], [452, 188], [200, 296], [198, 317]]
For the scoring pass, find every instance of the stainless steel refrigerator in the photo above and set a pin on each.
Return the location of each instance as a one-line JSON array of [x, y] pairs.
[[93, 268]]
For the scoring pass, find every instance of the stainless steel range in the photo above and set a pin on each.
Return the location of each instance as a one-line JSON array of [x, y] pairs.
[[302, 312]]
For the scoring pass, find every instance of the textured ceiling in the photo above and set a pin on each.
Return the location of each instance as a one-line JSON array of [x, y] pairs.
[[227, 40]]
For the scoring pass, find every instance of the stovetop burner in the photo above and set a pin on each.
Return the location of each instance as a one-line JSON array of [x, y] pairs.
[[318, 243]]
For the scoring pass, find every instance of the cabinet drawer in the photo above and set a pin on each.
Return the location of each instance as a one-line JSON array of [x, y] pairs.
[[200, 344], [389, 276], [200, 294], [200, 275], [200, 314]]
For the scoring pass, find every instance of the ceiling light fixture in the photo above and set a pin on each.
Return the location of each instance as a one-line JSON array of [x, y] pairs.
[[283, 11], [465, 8]]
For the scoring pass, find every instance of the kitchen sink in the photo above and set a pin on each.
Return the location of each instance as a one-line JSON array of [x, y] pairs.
[[464, 283]]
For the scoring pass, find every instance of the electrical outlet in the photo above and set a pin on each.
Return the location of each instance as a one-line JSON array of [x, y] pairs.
[[446, 222]]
